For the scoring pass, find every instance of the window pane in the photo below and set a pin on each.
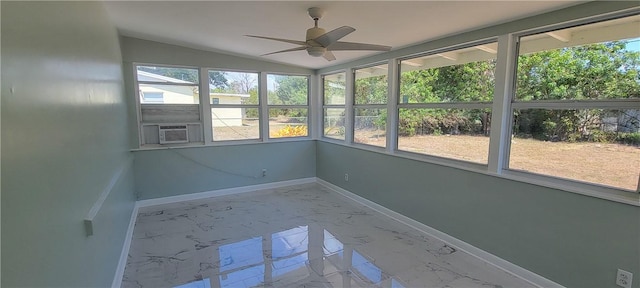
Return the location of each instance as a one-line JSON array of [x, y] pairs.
[[596, 61], [288, 123], [287, 90], [371, 85], [334, 123], [235, 123], [334, 89], [169, 85], [233, 87], [598, 146], [456, 76], [168, 94], [451, 133], [369, 126]]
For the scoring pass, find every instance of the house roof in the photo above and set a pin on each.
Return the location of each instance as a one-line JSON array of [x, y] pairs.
[[147, 76]]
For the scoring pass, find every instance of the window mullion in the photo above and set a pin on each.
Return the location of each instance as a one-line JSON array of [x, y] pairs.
[[392, 105], [500, 136], [349, 113], [315, 107], [205, 107], [264, 108]]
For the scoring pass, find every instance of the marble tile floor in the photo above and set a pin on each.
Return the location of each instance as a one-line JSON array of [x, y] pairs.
[[297, 236]]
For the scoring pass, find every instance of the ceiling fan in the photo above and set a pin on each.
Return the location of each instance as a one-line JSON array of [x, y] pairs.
[[321, 43]]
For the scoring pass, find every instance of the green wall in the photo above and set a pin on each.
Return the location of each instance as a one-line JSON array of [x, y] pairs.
[[64, 137], [170, 172], [574, 240]]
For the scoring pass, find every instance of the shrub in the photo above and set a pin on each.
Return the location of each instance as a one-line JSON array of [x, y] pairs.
[[291, 131], [602, 136], [629, 138]]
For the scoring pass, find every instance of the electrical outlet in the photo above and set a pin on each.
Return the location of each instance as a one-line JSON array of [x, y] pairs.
[[346, 177], [624, 278], [264, 172]]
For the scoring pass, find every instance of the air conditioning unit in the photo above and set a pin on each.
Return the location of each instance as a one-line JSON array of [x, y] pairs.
[[173, 134]]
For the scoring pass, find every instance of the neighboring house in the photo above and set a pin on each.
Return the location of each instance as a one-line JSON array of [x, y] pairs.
[[227, 116], [163, 92]]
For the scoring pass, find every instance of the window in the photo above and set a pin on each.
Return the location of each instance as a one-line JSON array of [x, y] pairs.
[[370, 105], [445, 103], [235, 105], [576, 113], [333, 109], [168, 95], [151, 97], [287, 99]]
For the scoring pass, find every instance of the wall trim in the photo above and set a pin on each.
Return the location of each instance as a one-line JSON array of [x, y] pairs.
[[95, 209], [124, 255], [496, 261], [222, 192]]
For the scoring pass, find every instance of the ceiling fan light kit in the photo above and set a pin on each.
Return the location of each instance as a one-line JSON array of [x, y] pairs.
[[320, 43]]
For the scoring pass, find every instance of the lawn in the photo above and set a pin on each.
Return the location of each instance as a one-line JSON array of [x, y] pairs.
[[583, 161]]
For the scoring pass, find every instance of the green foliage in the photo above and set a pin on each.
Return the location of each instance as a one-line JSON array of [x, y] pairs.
[[440, 121], [629, 138], [371, 90], [458, 83], [290, 90], [595, 71], [589, 72]]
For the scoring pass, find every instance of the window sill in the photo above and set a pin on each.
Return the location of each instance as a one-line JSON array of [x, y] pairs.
[[151, 147]]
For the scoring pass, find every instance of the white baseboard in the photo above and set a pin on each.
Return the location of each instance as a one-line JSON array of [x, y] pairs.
[[222, 192], [496, 261], [124, 255]]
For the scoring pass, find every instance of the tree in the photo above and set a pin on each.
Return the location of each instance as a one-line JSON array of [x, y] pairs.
[[216, 78]]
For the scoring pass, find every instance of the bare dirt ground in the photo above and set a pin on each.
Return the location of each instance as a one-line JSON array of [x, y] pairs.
[[604, 163]]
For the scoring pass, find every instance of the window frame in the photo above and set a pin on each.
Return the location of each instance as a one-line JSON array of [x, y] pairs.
[[573, 185], [139, 104], [267, 107], [354, 106], [466, 105], [334, 106], [258, 106]]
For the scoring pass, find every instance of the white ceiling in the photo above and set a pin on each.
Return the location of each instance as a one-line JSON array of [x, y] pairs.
[[220, 25]]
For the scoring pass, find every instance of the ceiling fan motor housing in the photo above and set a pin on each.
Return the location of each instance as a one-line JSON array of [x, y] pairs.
[[316, 51], [313, 33], [313, 48]]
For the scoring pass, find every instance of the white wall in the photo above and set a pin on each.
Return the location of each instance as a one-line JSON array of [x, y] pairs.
[[64, 138]]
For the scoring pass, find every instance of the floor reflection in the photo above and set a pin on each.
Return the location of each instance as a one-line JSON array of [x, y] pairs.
[[283, 259]]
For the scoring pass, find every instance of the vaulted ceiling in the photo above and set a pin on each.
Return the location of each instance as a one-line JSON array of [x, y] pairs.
[[220, 26]]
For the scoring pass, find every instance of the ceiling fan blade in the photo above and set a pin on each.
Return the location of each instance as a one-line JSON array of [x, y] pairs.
[[280, 39], [333, 36], [287, 50], [357, 46], [329, 56]]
